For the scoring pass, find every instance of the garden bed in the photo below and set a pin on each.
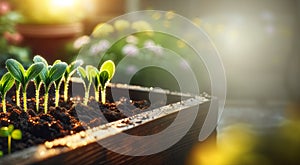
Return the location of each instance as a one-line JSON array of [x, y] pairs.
[[81, 145]]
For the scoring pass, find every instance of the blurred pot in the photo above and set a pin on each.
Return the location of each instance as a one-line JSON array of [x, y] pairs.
[[50, 40]]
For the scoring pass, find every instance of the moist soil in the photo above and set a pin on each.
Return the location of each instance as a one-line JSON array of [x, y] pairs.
[[68, 118]]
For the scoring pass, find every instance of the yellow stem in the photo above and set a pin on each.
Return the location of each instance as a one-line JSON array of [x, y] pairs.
[[56, 97], [4, 103], [97, 95], [46, 101], [24, 100], [103, 95], [9, 144], [86, 97], [18, 88], [66, 86], [37, 99]]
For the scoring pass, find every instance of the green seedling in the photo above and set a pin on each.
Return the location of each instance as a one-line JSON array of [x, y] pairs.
[[67, 76], [10, 133], [107, 71], [87, 75], [49, 75], [57, 84], [38, 81], [23, 76], [6, 83], [96, 83]]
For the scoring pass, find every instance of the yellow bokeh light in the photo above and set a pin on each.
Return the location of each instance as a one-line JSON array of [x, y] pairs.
[[63, 3], [51, 11]]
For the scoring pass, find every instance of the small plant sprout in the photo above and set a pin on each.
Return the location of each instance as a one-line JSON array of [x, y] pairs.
[[38, 81], [10, 133], [107, 71], [67, 76], [22, 76], [96, 82], [87, 75], [6, 83], [57, 84], [49, 75]]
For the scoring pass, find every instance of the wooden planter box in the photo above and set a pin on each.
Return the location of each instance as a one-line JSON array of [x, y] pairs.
[[85, 148]]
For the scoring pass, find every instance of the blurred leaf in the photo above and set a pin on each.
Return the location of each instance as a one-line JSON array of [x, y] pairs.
[[4, 132], [10, 128], [16, 134], [72, 68]]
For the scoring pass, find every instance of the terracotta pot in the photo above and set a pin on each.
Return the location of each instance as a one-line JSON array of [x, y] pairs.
[[90, 147], [50, 40]]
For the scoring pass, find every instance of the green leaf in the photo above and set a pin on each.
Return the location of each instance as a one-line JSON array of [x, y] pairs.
[[82, 72], [92, 72], [57, 70], [10, 128], [44, 75], [34, 70], [1, 153], [6, 83], [74, 65], [4, 132], [39, 58], [16, 69], [57, 81], [72, 68], [16, 134], [37, 80], [56, 62], [103, 77], [109, 66], [95, 77]]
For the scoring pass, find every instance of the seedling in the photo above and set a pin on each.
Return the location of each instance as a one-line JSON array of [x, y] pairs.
[[38, 81], [87, 75], [6, 83], [96, 82], [107, 71], [23, 76], [67, 76], [49, 75], [57, 84], [10, 133]]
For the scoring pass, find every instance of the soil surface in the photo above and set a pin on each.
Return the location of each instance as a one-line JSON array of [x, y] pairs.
[[69, 118]]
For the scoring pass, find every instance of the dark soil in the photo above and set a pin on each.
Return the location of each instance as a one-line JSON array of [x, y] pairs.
[[69, 118]]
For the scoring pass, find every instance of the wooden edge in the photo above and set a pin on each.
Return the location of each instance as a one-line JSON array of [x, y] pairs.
[[63, 145]]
